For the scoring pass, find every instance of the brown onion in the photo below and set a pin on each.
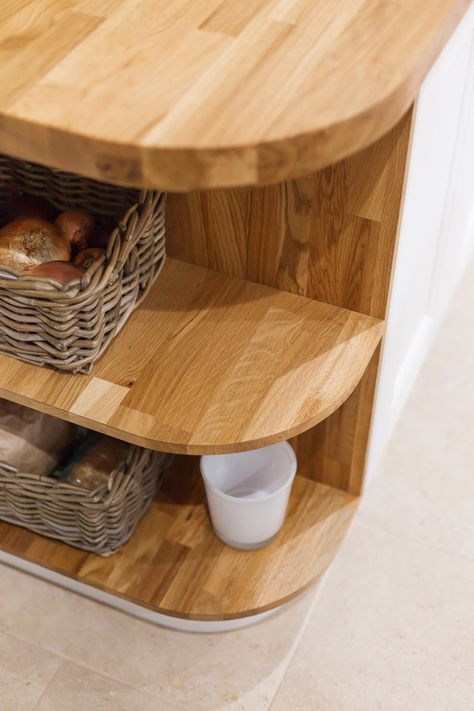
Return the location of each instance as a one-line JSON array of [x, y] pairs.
[[86, 257], [64, 272], [100, 235], [23, 207], [24, 243], [75, 226]]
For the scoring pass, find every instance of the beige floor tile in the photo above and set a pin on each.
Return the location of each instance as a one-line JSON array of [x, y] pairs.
[[74, 688], [393, 631], [425, 485], [425, 488], [25, 672], [242, 669]]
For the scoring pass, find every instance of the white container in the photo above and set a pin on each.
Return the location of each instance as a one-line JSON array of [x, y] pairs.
[[248, 493]]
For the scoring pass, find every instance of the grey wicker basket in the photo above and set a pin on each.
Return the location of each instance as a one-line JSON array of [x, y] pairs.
[[69, 327], [99, 521]]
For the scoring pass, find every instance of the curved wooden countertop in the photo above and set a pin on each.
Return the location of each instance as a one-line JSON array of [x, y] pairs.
[[185, 94]]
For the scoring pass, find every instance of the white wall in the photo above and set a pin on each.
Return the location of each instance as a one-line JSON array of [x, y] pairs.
[[437, 228]]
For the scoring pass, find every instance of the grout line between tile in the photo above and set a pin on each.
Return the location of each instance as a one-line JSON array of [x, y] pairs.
[[424, 544], [65, 659], [321, 584], [60, 658], [48, 685], [315, 591]]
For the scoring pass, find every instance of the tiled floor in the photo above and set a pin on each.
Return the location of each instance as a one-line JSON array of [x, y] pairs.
[[390, 629]]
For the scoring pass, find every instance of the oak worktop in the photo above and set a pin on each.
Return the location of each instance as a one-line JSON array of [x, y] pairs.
[[184, 94]]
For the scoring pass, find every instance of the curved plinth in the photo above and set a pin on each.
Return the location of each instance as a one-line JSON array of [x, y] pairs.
[[174, 564], [210, 363], [210, 93]]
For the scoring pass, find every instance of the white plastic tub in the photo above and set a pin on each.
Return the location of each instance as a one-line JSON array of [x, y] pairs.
[[248, 493]]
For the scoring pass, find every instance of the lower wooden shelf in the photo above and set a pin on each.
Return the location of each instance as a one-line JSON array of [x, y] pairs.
[[174, 564]]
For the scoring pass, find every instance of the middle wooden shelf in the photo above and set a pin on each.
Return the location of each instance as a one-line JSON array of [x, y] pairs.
[[210, 363]]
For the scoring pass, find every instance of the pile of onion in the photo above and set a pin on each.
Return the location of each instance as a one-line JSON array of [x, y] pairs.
[[37, 241]]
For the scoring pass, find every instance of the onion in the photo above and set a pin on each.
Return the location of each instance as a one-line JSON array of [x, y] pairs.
[[75, 226], [87, 257], [29, 206], [24, 243], [64, 272], [100, 235]]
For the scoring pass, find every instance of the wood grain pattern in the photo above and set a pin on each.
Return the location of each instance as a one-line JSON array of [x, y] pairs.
[[371, 184], [182, 95], [210, 363], [330, 236], [174, 564], [335, 450]]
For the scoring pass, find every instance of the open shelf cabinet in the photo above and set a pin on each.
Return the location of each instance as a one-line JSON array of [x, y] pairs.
[[265, 324]]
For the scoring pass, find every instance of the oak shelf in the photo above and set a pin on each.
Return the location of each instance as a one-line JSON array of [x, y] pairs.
[[175, 565], [210, 363]]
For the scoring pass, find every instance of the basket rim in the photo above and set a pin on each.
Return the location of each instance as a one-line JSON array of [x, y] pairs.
[[128, 229]]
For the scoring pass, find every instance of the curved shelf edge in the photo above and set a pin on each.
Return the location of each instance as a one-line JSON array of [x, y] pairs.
[[174, 565], [210, 363]]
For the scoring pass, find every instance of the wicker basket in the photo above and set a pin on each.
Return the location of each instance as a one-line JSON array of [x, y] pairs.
[[99, 521], [69, 327]]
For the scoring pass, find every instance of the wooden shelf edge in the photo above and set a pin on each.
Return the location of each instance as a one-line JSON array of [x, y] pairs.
[[160, 445], [174, 565], [209, 363], [29, 565]]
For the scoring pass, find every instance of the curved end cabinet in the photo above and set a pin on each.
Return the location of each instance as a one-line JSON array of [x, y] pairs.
[[266, 322]]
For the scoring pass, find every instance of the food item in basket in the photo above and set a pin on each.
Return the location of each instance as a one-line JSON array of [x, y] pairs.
[[86, 257], [64, 272], [24, 243], [75, 226], [22, 207], [31, 441], [100, 235], [94, 461]]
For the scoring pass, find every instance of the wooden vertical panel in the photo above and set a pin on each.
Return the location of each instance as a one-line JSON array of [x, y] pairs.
[[355, 216], [210, 229], [280, 234], [351, 265], [335, 450], [330, 236]]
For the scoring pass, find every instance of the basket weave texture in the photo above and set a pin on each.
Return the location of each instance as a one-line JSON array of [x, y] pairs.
[[69, 327], [100, 521]]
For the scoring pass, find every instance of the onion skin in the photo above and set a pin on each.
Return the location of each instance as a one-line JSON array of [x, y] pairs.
[[100, 235], [86, 257], [22, 207], [64, 272], [76, 227], [25, 243]]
